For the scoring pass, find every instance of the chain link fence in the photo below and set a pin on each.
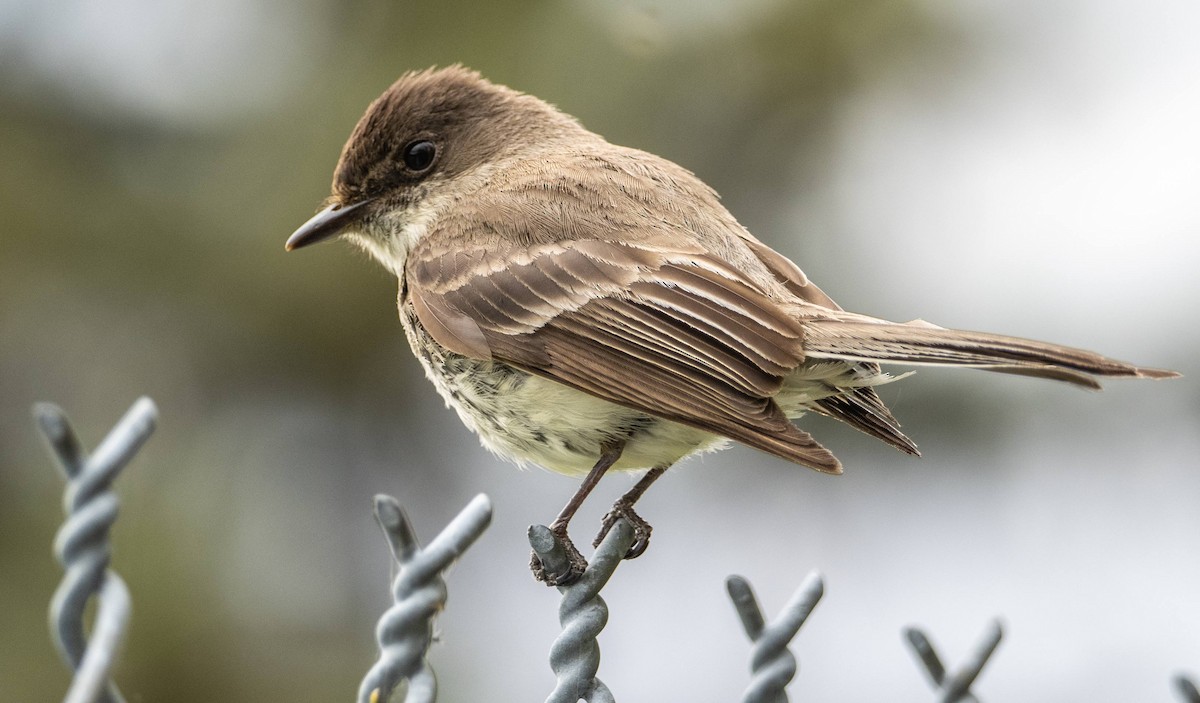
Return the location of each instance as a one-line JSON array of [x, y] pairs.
[[405, 631]]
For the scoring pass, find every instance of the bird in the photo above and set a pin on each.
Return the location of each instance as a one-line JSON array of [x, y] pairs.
[[588, 307]]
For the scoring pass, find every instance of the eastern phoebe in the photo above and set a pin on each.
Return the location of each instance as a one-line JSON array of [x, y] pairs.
[[585, 306]]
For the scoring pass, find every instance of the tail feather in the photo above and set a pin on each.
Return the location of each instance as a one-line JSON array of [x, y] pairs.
[[793, 444], [926, 344], [863, 409], [1053, 373]]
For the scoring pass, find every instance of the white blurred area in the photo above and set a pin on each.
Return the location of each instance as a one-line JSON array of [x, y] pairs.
[[1051, 180], [182, 63], [1037, 175]]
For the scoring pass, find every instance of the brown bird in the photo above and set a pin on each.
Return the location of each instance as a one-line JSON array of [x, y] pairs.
[[586, 306]]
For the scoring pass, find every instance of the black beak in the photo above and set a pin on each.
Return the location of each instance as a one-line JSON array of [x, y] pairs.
[[325, 224]]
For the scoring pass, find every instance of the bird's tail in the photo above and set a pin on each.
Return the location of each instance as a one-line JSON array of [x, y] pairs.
[[921, 343]]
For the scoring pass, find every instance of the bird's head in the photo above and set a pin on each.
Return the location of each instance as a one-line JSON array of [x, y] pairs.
[[419, 145]]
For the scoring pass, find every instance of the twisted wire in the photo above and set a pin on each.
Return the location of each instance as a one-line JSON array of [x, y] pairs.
[[582, 613], [772, 665], [405, 630], [955, 687], [82, 547]]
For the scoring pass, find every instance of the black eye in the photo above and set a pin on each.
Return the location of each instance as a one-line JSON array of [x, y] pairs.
[[418, 155]]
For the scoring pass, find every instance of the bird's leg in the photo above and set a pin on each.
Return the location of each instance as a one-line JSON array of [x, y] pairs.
[[623, 508], [610, 453]]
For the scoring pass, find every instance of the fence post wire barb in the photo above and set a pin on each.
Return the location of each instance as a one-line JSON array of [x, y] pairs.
[[955, 687], [771, 664], [83, 549], [406, 629]]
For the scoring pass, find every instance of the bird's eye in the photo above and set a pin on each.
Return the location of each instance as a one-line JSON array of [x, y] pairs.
[[418, 155]]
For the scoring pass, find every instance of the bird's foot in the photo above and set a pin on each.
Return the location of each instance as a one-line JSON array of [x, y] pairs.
[[623, 509], [575, 563]]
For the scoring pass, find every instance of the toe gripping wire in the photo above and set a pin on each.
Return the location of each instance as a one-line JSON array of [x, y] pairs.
[[582, 613], [405, 630], [83, 549]]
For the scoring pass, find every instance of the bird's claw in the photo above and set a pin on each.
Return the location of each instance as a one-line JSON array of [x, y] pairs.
[[641, 528], [575, 563]]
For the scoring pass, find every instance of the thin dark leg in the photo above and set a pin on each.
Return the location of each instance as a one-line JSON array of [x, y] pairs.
[[611, 453], [623, 508]]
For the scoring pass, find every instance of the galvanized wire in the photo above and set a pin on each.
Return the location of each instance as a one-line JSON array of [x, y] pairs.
[[582, 613], [1186, 688], [405, 630], [82, 548], [956, 687], [771, 664]]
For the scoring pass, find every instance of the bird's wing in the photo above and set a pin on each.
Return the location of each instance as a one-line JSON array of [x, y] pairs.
[[677, 334], [788, 273], [861, 408]]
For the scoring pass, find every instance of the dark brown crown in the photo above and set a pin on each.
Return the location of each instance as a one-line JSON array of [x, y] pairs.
[[470, 119]]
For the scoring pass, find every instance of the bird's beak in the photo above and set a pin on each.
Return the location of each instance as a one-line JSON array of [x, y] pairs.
[[327, 223]]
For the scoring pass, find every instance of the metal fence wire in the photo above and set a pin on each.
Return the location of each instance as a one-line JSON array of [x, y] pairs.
[[83, 550], [405, 631]]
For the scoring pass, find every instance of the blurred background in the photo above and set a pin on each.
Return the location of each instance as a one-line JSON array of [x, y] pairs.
[[1020, 167]]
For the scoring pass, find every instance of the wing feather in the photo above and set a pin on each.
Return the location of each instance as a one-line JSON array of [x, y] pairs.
[[680, 336]]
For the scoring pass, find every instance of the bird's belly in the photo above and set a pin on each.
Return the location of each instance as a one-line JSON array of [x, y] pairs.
[[527, 418]]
